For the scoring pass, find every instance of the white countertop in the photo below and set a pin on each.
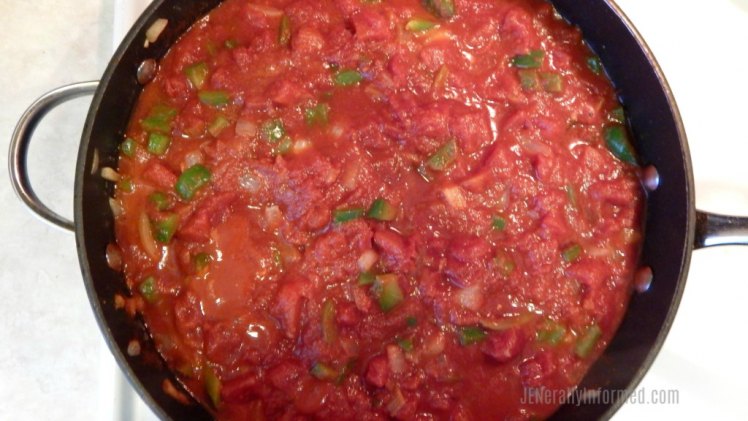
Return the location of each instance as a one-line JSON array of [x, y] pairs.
[[53, 361]]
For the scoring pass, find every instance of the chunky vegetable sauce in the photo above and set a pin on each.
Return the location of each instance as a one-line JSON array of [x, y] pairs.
[[361, 209]]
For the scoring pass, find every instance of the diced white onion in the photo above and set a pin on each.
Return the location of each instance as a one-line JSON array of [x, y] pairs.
[[436, 35], [119, 302], [397, 403], [168, 387], [245, 128], [434, 344], [146, 237], [630, 236], [477, 182], [133, 348], [504, 198], [154, 31], [289, 253], [600, 252], [367, 260], [95, 162], [471, 298], [643, 279], [113, 257], [273, 216], [193, 158], [109, 174], [270, 12], [116, 207], [350, 175], [374, 93], [301, 145], [395, 358], [133, 306], [249, 182], [336, 131], [537, 148], [455, 197]]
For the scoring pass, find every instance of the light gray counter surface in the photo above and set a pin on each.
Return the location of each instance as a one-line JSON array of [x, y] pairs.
[[53, 364]]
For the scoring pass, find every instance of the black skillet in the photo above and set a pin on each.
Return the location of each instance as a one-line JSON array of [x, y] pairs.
[[674, 228]]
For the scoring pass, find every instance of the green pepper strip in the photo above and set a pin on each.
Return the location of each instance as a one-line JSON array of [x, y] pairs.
[[345, 215], [444, 9], [212, 385], [572, 253], [366, 278], [191, 180], [317, 115], [505, 323], [419, 25], [214, 98], [617, 115], [571, 194], [405, 344], [528, 79], [443, 157], [470, 335], [552, 333], [202, 261], [552, 82], [498, 223], [128, 147], [159, 119], [273, 131], [348, 77], [126, 185], [218, 124], [595, 65], [323, 371], [211, 48], [284, 31], [158, 143], [284, 146], [617, 141], [148, 289], [277, 257], [382, 210], [345, 371], [531, 60], [197, 74], [387, 289], [160, 200], [329, 327], [588, 341], [164, 229]]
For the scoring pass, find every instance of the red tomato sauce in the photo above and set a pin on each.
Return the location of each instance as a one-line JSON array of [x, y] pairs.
[[370, 210]]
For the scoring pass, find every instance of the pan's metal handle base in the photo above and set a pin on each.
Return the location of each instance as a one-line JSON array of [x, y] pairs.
[[720, 230], [19, 147]]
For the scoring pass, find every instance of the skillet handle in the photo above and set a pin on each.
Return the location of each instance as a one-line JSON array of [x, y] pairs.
[[720, 230], [19, 147]]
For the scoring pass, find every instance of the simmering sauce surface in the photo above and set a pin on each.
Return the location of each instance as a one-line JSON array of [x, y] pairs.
[[379, 209]]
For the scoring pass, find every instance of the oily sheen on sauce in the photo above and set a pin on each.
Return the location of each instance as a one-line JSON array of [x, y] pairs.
[[379, 209]]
